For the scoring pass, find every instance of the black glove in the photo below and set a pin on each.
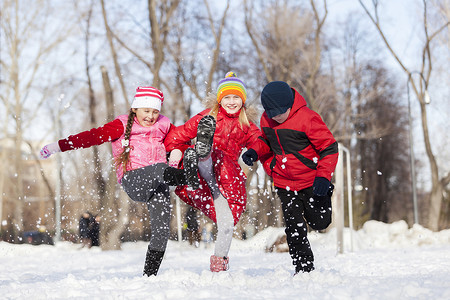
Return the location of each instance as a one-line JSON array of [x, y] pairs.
[[320, 186], [249, 157]]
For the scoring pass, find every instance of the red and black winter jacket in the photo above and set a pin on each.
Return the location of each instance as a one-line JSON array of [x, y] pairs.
[[296, 151]]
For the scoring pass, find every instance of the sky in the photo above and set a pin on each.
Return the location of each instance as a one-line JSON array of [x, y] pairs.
[[388, 261]]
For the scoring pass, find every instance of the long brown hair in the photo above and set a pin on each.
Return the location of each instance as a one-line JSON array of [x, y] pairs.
[[124, 157]]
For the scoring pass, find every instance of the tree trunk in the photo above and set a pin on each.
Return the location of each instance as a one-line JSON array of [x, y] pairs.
[[18, 199], [437, 188], [109, 35], [114, 209], [100, 182]]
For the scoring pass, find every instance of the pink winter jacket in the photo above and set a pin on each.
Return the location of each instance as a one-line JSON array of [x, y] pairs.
[[147, 143]]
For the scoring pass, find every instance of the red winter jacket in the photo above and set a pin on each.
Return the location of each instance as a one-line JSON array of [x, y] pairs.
[[296, 151], [229, 141]]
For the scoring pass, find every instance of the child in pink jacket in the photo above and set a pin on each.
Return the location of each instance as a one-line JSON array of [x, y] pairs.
[[137, 141]]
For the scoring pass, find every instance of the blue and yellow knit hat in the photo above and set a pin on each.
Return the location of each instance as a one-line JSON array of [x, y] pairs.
[[231, 85]]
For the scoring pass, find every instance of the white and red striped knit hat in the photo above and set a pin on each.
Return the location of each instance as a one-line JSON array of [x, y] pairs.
[[147, 97]]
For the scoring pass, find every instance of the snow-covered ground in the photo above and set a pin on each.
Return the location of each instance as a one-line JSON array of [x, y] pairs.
[[388, 261]]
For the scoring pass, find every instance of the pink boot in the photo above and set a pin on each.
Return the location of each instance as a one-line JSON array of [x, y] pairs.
[[219, 263]]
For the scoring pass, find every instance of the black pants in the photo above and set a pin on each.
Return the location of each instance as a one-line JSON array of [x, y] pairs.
[[147, 185], [298, 207]]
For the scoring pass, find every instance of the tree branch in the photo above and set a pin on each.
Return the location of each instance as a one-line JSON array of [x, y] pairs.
[[377, 25]]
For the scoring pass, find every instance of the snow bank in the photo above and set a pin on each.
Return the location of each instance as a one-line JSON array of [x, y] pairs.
[[389, 261]]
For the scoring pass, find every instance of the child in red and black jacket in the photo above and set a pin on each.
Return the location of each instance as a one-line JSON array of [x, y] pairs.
[[299, 152]]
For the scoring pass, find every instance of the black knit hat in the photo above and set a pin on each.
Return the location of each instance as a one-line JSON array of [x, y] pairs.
[[276, 98]]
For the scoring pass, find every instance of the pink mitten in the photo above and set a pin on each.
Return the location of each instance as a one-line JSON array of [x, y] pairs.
[[48, 150], [175, 157]]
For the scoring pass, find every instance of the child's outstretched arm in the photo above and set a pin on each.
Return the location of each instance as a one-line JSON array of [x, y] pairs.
[[96, 136]]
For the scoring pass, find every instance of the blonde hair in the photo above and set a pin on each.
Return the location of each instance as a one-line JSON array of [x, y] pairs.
[[124, 157]]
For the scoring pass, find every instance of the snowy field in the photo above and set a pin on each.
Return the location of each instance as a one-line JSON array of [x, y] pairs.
[[388, 261]]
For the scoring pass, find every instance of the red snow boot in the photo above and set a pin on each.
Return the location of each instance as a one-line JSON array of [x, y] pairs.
[[219, 263]]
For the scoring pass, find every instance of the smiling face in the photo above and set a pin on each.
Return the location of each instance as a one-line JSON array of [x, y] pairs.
[[146, 116], [282, 117], [231, 103]]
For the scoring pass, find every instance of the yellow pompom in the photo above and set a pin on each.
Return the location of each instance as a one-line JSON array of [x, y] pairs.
[[230, 74]]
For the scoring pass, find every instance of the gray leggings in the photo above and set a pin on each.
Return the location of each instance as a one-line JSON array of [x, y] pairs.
[[225, 220], [205, 168], [147, 185]]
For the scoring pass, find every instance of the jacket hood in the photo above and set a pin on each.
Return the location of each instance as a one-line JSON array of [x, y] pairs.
[[299, 102]]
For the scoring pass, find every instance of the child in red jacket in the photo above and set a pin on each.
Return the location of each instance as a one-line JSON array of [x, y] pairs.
[[137, 141], [222, 132], [299, 152]]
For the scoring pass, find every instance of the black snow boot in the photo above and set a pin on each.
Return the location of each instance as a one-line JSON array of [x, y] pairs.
[[190, 164], [304, 264], [153, 260], [205, 136], [174, 176]]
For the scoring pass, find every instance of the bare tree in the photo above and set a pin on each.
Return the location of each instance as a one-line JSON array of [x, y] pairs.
[[205, 36], [24, 30], [98, 171], [109, 36], [159, 17], [419, 87], [114, 208], [382, 163], [290, 48], [370, 120]]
